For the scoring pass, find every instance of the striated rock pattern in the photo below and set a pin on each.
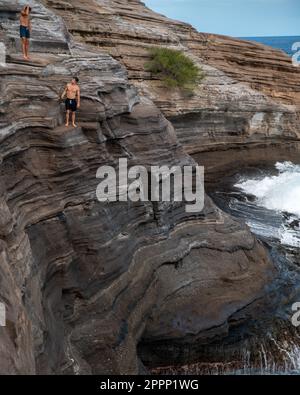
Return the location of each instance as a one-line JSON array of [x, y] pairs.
[[248, 103], [93, 288]]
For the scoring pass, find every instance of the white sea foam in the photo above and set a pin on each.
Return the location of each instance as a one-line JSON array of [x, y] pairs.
[[280, 193]]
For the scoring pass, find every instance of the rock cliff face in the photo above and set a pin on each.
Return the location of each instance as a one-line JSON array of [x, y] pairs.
[[87, 284], [247, 106]]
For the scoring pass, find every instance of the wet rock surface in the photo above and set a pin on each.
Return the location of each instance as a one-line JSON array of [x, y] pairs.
[[85, 283]]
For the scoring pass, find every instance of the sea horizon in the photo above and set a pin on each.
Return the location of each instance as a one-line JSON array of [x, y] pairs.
[[284, 43]]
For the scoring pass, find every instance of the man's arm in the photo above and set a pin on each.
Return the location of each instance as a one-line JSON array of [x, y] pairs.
[[64, 92], [78, 97], [25, 11]]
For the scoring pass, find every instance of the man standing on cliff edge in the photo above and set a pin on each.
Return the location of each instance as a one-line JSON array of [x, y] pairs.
[[72, 91], [25, 29]]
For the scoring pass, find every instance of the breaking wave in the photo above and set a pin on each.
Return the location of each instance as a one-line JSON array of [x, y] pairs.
[[280, 193]]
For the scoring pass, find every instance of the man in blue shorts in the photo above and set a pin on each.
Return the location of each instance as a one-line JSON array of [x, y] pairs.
[[25, 29], [72, 91]]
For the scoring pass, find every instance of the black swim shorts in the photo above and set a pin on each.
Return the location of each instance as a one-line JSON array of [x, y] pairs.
[[24, 32], [71, 105]]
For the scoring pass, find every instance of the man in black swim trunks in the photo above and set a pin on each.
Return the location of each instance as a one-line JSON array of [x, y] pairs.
[[72, 91], [25, 29]]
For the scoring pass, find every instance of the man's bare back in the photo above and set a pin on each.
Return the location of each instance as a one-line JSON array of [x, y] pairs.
[[24, 19]]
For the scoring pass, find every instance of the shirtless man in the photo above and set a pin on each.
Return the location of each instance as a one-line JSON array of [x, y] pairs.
[[72, 91], [25, 29]]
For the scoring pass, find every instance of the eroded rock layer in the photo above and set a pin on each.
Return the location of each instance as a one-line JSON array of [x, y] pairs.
[[85, 282], [251, 95]]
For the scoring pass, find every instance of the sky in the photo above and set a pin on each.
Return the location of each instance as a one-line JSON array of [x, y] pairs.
[[238, 18]]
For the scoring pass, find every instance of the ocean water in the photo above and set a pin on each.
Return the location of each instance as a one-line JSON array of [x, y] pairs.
[[284, 43], [279, 193], [268, 200]]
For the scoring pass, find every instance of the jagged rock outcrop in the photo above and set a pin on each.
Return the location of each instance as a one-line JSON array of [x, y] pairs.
[[246, 110], [85, 283]]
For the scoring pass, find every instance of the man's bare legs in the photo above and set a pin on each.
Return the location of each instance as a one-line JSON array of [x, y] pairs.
[[27, 48], [24, 50], [67, 117], [73, 119]]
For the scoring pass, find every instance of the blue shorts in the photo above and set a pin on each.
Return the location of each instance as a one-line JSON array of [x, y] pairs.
[[71, 105], [24, 32]]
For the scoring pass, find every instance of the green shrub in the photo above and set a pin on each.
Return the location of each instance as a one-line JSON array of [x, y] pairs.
[[174, 68]]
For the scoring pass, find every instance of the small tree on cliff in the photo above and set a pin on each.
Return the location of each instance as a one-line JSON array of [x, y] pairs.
[[174, 68]]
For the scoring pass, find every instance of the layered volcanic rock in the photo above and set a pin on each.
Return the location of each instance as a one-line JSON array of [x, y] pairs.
[[84, 283], [247, 105]]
